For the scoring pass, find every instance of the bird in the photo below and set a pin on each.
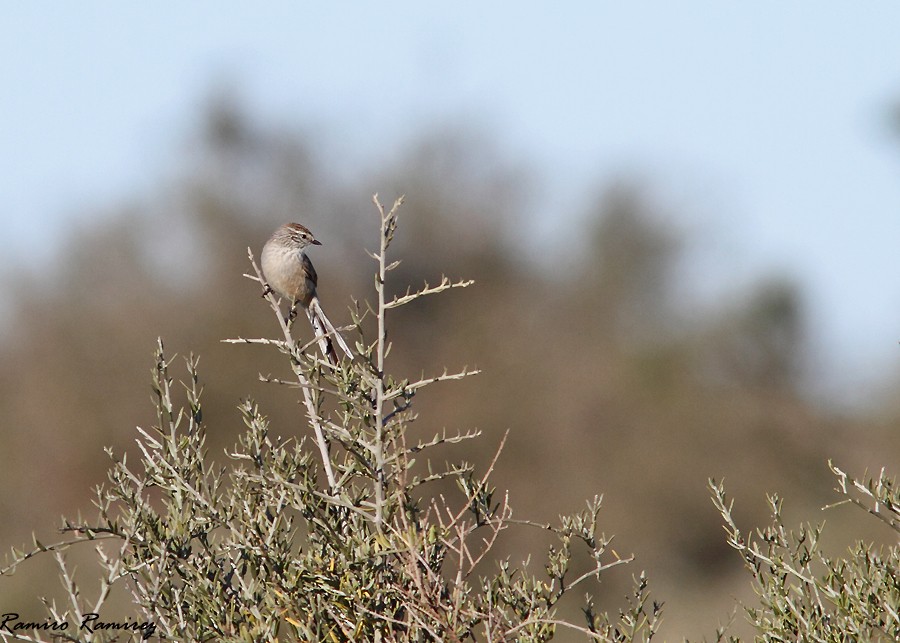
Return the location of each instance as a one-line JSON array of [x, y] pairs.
[[289, 272]]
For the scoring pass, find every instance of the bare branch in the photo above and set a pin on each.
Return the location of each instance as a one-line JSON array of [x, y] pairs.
[[445, 284]]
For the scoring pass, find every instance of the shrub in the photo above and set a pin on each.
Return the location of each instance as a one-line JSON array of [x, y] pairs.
[[807, 595], [334, 536]]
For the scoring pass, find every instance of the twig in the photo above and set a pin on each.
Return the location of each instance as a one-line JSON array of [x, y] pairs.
[[445, 284], [443, 377]]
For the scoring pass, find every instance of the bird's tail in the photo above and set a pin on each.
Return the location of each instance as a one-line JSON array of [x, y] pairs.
[[326, 333]]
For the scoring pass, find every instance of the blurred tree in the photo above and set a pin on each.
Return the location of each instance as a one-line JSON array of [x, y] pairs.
[[629, 272], [761, 344]]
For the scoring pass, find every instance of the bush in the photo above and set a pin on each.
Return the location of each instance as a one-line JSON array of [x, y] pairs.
[[806, 595], [334, 536]]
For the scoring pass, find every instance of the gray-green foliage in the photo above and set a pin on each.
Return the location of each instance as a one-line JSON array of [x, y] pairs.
[[336, 535], [807, 595]]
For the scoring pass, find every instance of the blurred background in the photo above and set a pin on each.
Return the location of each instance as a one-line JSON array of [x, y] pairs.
[[682, 221]]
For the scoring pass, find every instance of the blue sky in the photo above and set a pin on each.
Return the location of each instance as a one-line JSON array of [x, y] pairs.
[[765, 124]]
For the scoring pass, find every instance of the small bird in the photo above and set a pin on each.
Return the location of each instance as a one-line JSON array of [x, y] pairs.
[[290, 273]]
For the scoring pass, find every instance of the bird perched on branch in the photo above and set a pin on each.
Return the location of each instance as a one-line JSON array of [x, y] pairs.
[[290, 273]]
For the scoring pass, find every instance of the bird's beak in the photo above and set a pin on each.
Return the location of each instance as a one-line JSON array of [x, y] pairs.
[[316, 242]]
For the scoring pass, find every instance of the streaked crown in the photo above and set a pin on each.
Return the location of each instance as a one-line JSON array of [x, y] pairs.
[[297, 235]]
